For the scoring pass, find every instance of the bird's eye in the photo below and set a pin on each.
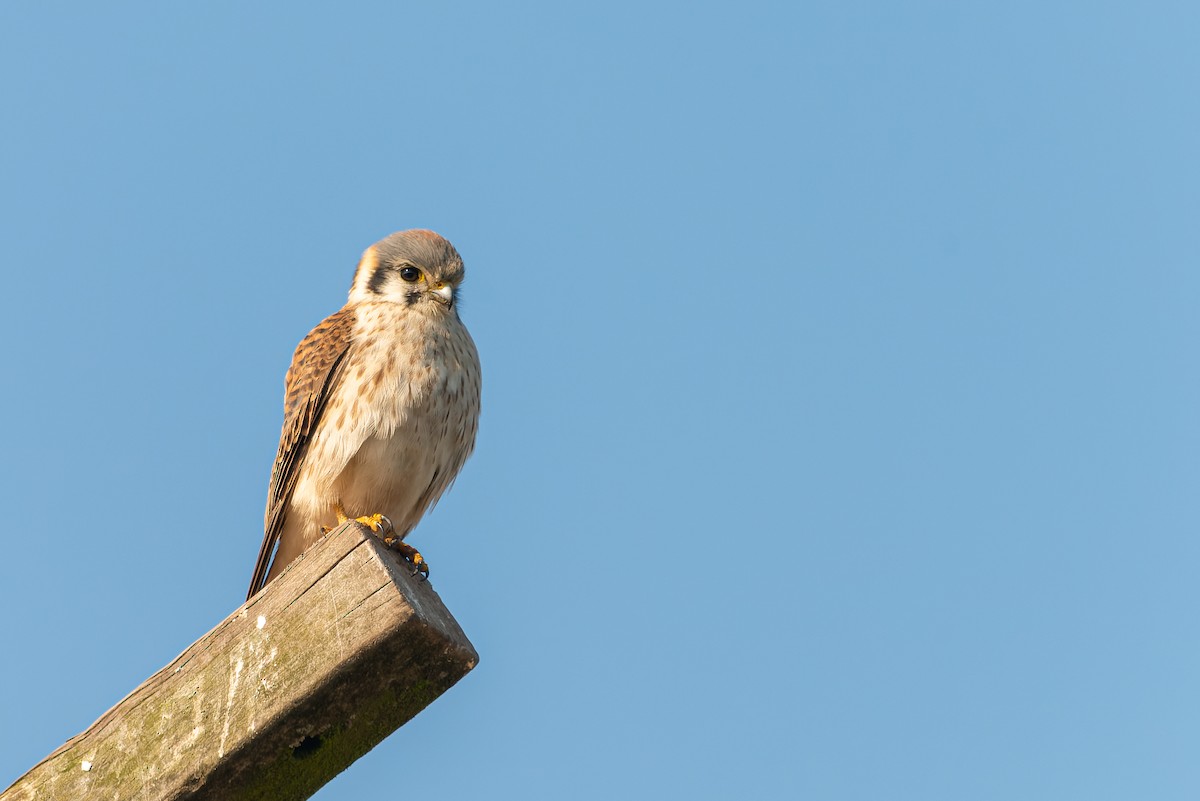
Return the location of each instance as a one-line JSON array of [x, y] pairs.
[[410, 274]]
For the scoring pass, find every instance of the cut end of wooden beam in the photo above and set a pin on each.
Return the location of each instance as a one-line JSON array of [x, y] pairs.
[[335, 654]]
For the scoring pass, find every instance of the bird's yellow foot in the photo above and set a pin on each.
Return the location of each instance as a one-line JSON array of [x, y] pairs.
[[382, 526], [413, 555], [376, 522]]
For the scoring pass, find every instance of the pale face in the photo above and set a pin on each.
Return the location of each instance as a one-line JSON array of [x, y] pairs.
[[417, 269]]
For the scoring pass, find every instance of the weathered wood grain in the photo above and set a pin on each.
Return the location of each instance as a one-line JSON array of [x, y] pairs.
[[307, 676]]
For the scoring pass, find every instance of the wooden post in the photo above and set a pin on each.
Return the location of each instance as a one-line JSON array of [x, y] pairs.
[[335, 654]]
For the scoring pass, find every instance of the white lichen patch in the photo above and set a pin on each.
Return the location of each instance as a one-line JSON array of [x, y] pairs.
[[233, 685], [262, 621]]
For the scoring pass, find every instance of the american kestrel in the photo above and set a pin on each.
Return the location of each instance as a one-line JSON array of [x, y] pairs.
[[381, 405]]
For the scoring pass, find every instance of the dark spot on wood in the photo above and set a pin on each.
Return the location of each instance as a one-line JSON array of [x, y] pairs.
[[308, 746]]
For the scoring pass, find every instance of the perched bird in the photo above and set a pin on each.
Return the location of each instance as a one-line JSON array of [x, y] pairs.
[[381, 405]]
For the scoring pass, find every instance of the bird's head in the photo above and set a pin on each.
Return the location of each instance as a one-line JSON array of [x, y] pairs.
[[414, 268]]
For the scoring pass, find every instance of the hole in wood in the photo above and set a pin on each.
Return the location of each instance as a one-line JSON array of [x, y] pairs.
[[308, 746]]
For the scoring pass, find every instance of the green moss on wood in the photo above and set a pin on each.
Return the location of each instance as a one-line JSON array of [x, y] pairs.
[[300, 770]]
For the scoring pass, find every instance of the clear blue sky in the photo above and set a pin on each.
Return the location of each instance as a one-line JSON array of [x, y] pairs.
[[840, 431]]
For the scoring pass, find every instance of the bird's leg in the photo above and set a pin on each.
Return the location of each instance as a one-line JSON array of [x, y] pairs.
[[376, 522], [393, 541], [414, 556], [341, 517], [382, 526]]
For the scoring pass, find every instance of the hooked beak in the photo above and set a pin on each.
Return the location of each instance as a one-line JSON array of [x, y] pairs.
[[443, 293]]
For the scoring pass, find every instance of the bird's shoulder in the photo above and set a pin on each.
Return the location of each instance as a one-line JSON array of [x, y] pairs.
[[315, 361]]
